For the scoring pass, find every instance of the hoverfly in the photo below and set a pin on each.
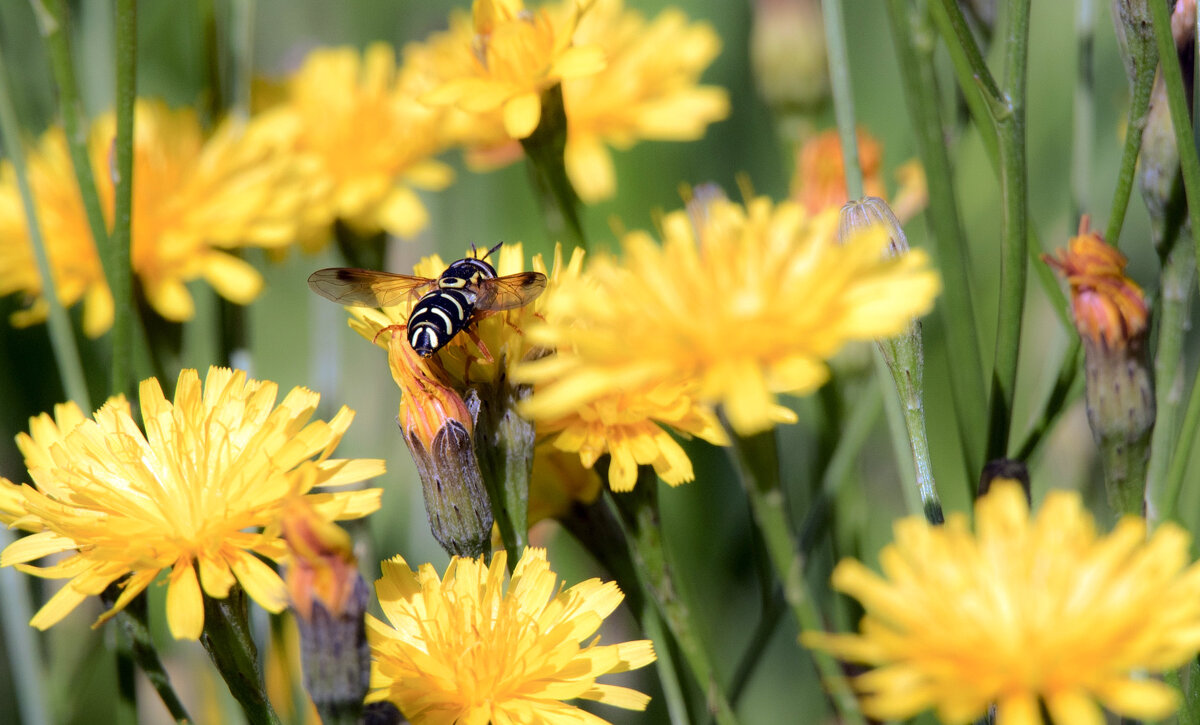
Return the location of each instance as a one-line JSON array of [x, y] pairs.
[[468, 290]]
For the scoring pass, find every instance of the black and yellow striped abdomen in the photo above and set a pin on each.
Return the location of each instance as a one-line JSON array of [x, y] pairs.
[[437, 317]]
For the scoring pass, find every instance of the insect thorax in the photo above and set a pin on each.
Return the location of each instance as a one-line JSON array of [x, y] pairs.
[[465, 272]]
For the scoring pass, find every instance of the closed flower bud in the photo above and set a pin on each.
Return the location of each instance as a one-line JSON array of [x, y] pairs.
[[1112, 320], [787, 48], [439, 431], [871, 211]]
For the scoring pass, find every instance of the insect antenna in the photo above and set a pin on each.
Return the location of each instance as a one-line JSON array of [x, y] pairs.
[[488, 253]]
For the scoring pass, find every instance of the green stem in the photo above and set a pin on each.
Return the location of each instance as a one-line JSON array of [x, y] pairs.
[[969, 50], [757, 461], [1177, 277], [639, 512], [905, 358], [1143, 57], [752, 656], [843, 94], [229, 644], [1182, 453], [545, 148], [1066, 387], [1177, 101], [898, 437], [24, 649], [62, 337], [118, 258], [914, 48], [1009, 119], [1084, 108], [598, 529], [53, 23], [132, 621]]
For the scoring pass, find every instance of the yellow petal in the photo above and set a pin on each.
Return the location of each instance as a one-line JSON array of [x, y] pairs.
[[185, 603], [590, 167], [232, 278], [521, 115]]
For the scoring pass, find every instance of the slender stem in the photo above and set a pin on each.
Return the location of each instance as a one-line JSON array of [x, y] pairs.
[[668, 669], [752, 656], [53, 23], [1182, 453], [118, 258], [21, 645], [964, 71], [639, 511], [1010, 131], [62, 337], [913, 40], [1066, 387], [898, 437], [132, 621], [757, 461], [843, 94], [242, 47], [1144, 58], [229, 643], [1177, 101], [970, 51], [1084, 108], [545, 148], [1177, 278]]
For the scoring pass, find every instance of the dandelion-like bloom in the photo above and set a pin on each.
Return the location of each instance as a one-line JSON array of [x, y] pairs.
[[371, 139], [193, 197], [459, 649], [517, 55], [200, 494], [1025, 609], [739, 303], [648, 89]]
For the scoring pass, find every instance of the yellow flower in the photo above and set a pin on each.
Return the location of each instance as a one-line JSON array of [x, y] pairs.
[[737, 305], [647, 90], [518, 54], [199, 494], [462, 650], [559, 482], [372, 141], [1021, 611], [192, 198]]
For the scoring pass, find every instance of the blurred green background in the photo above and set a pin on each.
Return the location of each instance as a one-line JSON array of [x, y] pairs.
[[297, 338]]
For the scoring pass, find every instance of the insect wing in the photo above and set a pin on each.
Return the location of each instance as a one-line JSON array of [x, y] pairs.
[[367, 288], [509, 292]]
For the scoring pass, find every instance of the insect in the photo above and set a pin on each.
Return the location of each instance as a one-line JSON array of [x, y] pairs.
[[468, 290]]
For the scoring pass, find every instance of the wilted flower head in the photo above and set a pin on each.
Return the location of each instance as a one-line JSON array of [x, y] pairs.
[[1108, 307], [459, 648], [200, 494], [748, 304], [518, 55], [1023, 612], [371, 141]]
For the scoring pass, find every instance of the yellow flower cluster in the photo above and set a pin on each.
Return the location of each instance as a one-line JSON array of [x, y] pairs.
[[200, 494], [1026, 610]]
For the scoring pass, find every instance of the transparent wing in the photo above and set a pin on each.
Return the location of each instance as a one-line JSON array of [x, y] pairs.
[[510, 291], [367, 288]]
